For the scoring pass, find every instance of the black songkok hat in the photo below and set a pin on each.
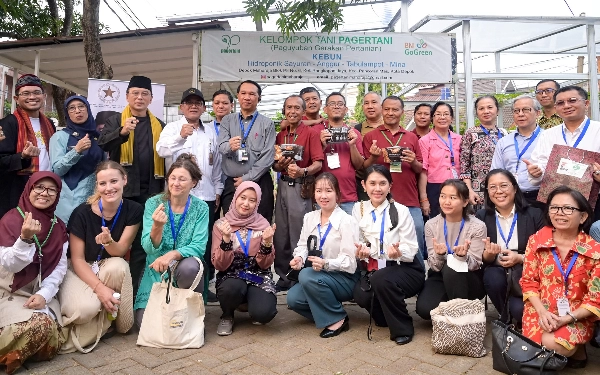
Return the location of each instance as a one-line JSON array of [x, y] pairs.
[[28, 80], [140, 82]]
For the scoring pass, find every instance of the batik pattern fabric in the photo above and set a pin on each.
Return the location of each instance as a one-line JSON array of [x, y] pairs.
[[548, 122], [543, 279]]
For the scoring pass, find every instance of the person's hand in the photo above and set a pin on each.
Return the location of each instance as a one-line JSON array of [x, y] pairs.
[[2, 136], [510, 258], [462, 250], [564, 320], [353, 136], [30, 151], [130, 125], [317, 263], [325, 135], [294, 171], [490, 247], [105, 295], [35, 302], [408, 156], [225, 229], [374, 150], [267, 236], [30, 227], [237, 181], [104, 237], [474, 198], [217, 202], [596, 171], [235, 143], [425, 208], [159, 216], [533, 169], [186, 130], [394, 251], [548, 322], [283, 163], [161, 264], [283, 124], [362, 251], [296, 263], [439, 248], [83, 144]]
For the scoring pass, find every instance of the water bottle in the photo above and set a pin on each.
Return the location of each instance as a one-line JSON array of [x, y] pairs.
[[112, 315]]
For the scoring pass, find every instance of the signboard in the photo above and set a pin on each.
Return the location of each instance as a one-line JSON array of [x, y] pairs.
[[321, 57], [109, 95]]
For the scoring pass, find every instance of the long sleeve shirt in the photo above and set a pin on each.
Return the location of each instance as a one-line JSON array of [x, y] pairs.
[[338, 247], [203, 145]]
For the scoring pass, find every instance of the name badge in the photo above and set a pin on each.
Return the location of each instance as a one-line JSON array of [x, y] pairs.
[[456, 265], [571, 168], [396, 167], [563, 306], [333, 160], [381, 263], [242, 155], [95, 268]]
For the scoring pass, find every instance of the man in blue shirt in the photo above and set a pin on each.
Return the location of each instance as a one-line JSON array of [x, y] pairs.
[[516, 147]]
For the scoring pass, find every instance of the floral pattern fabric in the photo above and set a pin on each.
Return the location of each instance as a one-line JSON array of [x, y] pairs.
[[543, 279]]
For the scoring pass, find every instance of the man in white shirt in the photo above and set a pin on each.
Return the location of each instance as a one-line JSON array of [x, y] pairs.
[[189, 135]]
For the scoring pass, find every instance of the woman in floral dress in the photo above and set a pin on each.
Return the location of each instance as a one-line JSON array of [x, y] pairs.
[[560, 311]]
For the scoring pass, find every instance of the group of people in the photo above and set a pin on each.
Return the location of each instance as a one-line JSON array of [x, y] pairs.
[[357, 211]]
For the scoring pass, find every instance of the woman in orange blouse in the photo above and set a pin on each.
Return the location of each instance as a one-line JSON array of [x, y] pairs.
[[560, 311]]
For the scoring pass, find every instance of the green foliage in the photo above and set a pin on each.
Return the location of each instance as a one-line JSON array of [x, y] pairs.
[[359, 116], [277, 118], [7, 105]]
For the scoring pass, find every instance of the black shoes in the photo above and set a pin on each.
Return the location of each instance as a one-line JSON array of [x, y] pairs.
[[578, 363], [327, 333], [403, 340]]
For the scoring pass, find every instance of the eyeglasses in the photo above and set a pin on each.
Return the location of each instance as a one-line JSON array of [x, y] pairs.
[[503, 187], [194, 104], [75, 108], [566, 210], [525, 110], [181, 180], [571, 101], [445, 114], [143, 94], [27, 93], [545, 91], [39, 189], [336, 104]]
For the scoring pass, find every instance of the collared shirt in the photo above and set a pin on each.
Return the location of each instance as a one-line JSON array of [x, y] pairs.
[[366, 127], [505, 157], [305, 137], [549, 122], [339, 248], [414, 131], [404, 233], [552, 136], [202, 143], [506, 223], [260, 145], [437, 156]]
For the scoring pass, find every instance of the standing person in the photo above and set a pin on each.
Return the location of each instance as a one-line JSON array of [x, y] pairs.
[[388, 247], [130, 138], [342, 159], [373, 118], [222, 104], [544, 93], [189, 135], [74, 156], [247, 144], [404, 174], [290, 206], [30, 323], [512, 150], [312, 98], [27, 133], [477, 148], [441, 158], [422, 118]]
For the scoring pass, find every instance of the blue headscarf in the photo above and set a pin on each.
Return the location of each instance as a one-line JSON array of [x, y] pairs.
[[90, 157]]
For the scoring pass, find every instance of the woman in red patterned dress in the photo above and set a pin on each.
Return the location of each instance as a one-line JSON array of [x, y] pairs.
[[560, 311]]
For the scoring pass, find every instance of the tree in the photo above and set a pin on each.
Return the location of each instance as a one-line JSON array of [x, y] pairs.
[[359, 116]]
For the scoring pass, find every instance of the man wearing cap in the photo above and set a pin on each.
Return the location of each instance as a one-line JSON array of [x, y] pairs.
[[247, 143], [190, 135], [24, 149], [130, 139]]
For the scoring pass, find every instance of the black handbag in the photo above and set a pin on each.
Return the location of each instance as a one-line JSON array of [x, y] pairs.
[[311, 245]]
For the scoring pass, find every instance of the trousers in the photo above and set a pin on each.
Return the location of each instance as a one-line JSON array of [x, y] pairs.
[[262, 305], [496, 287]]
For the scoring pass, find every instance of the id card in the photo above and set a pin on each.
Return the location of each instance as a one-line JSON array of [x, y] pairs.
[[242, 155], [457, 265], [333, 160], [563, 306], [210, 158], [396, 167], [571, 168], [95, 268], [381, 263]]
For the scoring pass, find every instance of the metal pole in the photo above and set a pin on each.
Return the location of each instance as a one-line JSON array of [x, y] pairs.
[[13, 105], [2, 84], [498, 70], [466, 31], [195, 58], [456, 108], [383, 90], [593, 70], [36, 69], [404, 16]]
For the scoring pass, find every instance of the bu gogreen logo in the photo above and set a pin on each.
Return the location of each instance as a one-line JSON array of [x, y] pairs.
[[417, 49], [230, 40]]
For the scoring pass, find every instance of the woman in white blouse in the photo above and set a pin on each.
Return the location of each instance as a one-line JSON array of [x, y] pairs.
[[330, 280], [387, 252]]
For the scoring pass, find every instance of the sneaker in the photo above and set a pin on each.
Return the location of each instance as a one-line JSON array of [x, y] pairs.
[[225, 327], [211, 297]]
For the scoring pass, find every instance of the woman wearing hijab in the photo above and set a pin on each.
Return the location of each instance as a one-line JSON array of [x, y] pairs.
[[74, 155], [243, 254], [33, 262]]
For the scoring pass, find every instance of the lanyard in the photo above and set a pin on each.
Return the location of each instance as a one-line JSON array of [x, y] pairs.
[[104, 222], [382, 229], [462, 225], [322, 239], [585, 128], [244, 246], [287, 137], [386, 137], [245, 133], [569, 268], [216, 125], [449, 145], [531, 139], [172, 221], [510, 233], [487, 132]]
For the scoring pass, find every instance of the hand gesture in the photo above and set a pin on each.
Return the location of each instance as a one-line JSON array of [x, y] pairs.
[[490, 247], [267, 236], [235, 143], [159, 216], [2, 136], [294, 171], [596, 171], [105, 295], [533, 169], [30, 227], [408, 156], [325, 136], [296, 263], [439, 248], [104, 237], [362, 251], [462, 250], [35, 302], [509, 258], [394, 251], [83, 144], [352, 136], [374, 150], [225, 229], [129, 125], [30, 151], [186, 130]]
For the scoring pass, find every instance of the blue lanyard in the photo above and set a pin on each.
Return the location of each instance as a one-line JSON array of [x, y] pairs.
[[449, 145], [487, 132], [569, 268], [462, 225], [585, 128], [245, 246], [172, 220], [216, 125], [381, 232], [510, 232], [520, 154], [104, 222], [245, 133], [322, 239]]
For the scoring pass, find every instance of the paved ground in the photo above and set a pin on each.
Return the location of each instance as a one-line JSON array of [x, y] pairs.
[[288, 345]]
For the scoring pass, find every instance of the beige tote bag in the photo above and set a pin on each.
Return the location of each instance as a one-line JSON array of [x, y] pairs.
[[174, 317]]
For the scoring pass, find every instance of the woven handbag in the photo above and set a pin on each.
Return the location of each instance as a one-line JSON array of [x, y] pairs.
[[459, 328]]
